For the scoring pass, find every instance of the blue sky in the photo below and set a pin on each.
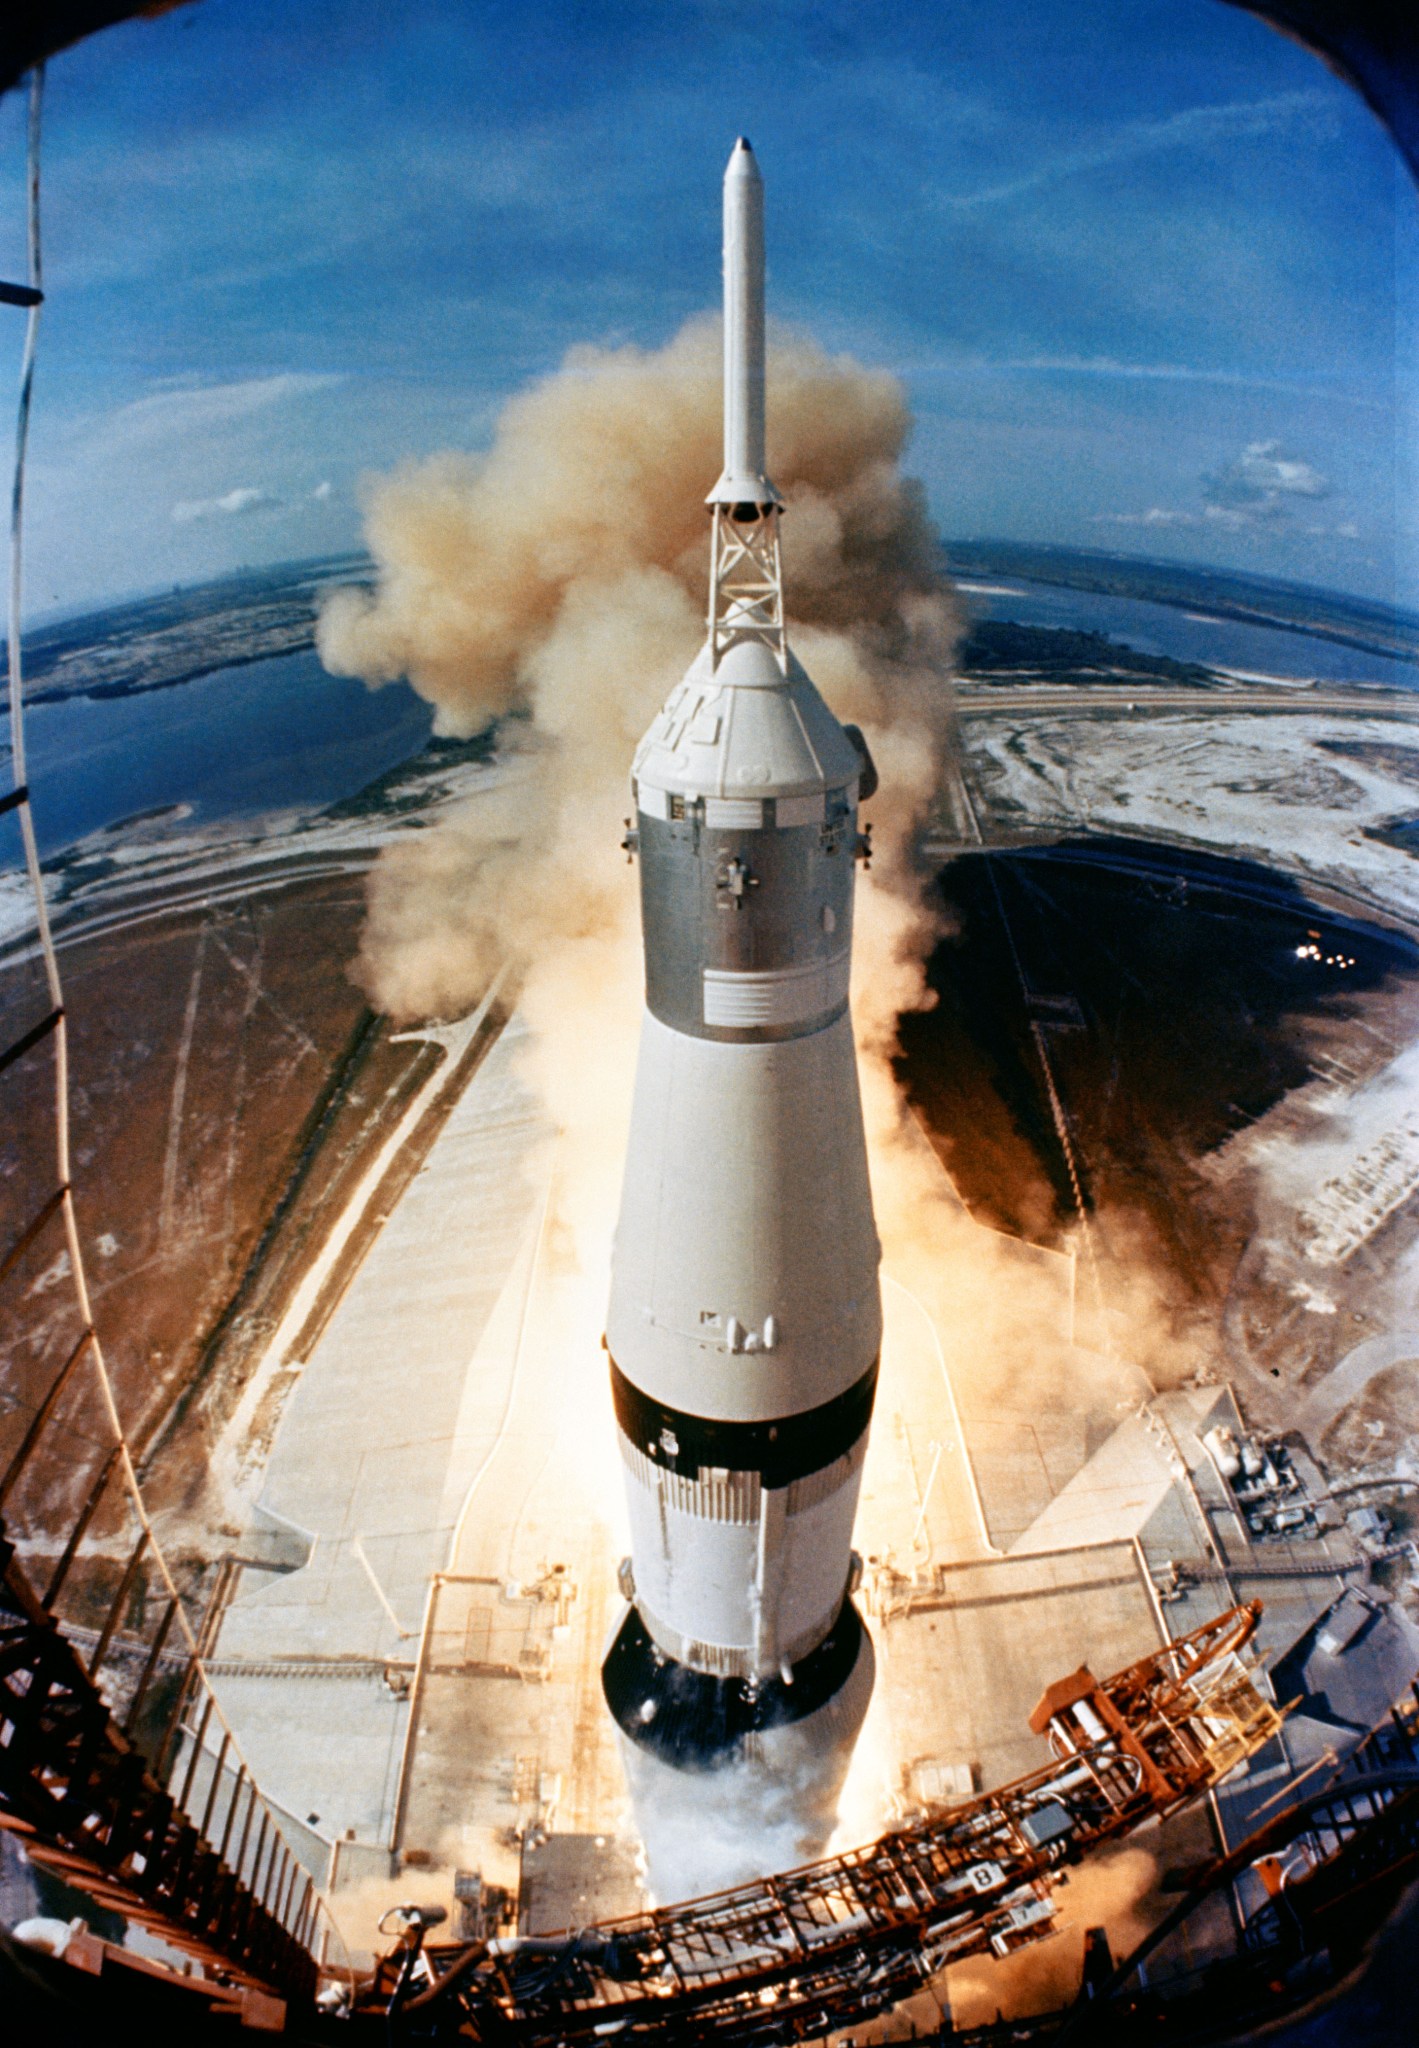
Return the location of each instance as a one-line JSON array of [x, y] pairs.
[[1147, 270]]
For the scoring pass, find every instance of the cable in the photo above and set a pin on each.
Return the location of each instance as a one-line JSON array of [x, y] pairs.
[[78, 1273]]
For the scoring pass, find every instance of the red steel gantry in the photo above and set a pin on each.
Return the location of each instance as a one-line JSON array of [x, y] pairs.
[[792, 1956]]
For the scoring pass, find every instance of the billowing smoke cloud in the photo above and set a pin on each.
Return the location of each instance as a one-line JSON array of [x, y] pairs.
[[707, 1833], [559, 583]]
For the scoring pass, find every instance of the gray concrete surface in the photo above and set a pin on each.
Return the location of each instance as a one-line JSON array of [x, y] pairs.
[[399, 1404]]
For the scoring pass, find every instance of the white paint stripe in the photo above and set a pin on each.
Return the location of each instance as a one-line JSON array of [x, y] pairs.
[[734, 813], [359, 1549], [785, 995]]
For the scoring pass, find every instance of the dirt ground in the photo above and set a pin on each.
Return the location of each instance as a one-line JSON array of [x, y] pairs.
[[227, 1080], [1166, 990]]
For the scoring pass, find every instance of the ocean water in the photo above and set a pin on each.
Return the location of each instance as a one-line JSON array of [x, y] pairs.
[[263, 737], [279, 734], [1185, 636]]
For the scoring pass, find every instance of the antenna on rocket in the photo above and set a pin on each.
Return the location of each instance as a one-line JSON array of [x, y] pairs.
[[746, 574]]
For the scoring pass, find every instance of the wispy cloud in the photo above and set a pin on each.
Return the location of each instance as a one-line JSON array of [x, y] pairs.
[[1213, 517], [1114, 367], [194, 409], [1190, 128], [234, 504], [1111, 366], [1156, 515], [1183, 373]]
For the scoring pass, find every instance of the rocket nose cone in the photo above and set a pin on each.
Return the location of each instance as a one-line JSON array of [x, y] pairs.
[[742, 161]]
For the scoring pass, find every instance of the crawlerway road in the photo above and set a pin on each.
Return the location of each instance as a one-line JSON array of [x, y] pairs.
[[977, 700], [1346, 1381]]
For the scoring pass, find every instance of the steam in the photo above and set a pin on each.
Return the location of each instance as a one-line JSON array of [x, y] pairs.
[[706, 1832]]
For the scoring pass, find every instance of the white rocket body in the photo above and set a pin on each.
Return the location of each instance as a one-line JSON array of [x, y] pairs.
[[745, 1320]]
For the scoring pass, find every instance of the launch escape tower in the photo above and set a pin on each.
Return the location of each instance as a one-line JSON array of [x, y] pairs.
[[745, 1319]]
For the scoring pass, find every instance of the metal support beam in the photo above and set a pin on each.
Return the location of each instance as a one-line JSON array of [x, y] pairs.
[[90, 1809], [37, 1222], [155, 1651], [80, 1528], [117, 1605], [42, 1414], [27, 1043]]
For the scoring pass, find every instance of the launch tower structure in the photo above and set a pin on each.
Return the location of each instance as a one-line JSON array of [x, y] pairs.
[[745, 1318]]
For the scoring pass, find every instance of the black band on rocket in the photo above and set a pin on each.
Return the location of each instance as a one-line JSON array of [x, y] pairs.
[[779, 1451], [692, 1720]]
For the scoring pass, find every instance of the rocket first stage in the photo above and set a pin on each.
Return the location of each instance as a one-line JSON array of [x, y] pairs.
[[745, 1319]]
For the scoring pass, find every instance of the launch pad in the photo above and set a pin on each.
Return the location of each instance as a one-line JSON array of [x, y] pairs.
[[417, 1678]]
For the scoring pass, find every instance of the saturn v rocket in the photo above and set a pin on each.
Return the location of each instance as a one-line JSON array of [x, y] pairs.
[[745, 1319]]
